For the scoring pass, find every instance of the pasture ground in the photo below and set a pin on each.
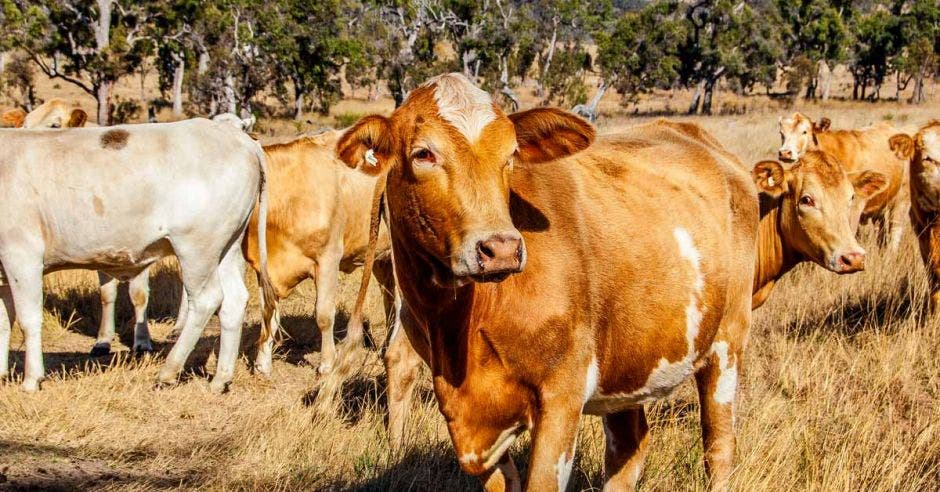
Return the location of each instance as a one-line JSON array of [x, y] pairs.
[[840, 389]]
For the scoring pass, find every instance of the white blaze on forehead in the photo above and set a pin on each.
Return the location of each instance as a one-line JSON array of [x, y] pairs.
[[728, 376], [462, 104]]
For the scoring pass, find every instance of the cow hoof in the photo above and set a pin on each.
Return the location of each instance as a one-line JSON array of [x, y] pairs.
[[101, 349], [30, 386], [143, 349], [219, 388], [263, 371], [164, 385]]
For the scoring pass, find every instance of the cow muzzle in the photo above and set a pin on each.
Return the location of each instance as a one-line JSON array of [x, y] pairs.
[[849, 261], [490, 257], [786, 155]]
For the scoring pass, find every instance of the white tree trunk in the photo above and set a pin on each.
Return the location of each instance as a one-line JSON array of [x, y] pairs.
[[825, 76], [548, 58], [178, 73], [3, 61], [104, 103], [102, 42], [298, 105], [203, 66], [229, 101]]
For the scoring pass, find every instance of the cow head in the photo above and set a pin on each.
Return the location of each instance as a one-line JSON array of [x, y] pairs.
[[54, 113], [820, 207], [798, 135], [449, 151], [923, 152]]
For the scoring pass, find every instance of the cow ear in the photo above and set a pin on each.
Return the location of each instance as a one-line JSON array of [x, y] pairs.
[[77, 118], [902, 145], [822, 125], [868, 183], [770, 178], [14, 118], [545, 134], [367, 145]]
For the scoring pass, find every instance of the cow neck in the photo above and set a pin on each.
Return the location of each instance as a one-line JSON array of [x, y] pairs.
[[774, 256]]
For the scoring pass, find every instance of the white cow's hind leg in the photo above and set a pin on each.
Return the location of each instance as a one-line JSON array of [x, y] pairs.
[[139, 289], [204, 294], [7, 315], [108, 291], [231, 316], [180, 318], [24, 273]]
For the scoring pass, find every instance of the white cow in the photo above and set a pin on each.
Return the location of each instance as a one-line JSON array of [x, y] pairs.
[[117, 200]]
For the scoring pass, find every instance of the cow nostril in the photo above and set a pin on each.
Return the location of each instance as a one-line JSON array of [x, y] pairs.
[[484, 251]]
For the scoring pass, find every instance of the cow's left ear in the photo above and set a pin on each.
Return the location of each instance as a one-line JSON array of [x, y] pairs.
[[822, 125], [14, 117], [770, 178], [77, 118], [902, 145], [367, 145], [545, 134], [868, 183]]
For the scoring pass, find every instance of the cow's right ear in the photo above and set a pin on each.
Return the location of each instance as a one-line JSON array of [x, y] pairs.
[[770, 178], [78, 118], [366, 145], [822, 125], [14, 118], [902, 145]]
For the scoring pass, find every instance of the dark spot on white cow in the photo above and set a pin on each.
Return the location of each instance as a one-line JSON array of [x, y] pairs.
[[114, 139], [99, 206]]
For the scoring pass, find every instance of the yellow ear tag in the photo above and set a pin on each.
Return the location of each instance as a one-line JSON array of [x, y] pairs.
[[770, 181]]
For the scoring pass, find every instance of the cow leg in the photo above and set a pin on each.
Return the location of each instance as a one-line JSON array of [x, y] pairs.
[[929, 242], [899, 213], [24, 273], [717, 387], [627, 445], [139, 289], [553, 445], [108, 290], [180, 318], [204, 295], [231, 316], [326, 276], [504, 477], [402, 365], [7, 315]]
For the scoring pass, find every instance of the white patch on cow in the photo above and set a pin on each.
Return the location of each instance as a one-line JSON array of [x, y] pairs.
[[728, 377], [470, 457], [666, 376], [932, 145], [495, 452], [463, 104], [563, 470], [590, 381]]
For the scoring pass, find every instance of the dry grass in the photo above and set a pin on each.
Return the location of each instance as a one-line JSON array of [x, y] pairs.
[[841, 389]]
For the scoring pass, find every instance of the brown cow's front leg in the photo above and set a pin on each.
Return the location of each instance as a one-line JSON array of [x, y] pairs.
[[553, 444], [929, 241], [402, 365], [717, 387], [326, 275], [504, 477], [627, 444]]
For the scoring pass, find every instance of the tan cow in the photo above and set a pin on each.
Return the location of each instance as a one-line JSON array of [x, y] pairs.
[[540, 286], [54, 113], [923, 153], [857, 150], [318, 225]]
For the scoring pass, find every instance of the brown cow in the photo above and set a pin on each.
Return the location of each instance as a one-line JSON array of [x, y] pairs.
[[54, 113], [541, 286], [318, 225], [923, 153], [809, 213], [857, 150]]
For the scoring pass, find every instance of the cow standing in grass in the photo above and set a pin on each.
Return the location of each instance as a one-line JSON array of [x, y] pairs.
[[922, 151], [541, 284], [864, 149], [117, 200]]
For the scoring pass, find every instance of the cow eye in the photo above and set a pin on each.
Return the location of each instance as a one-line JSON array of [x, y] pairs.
[[423, 155], [56, 125], [808, 201]]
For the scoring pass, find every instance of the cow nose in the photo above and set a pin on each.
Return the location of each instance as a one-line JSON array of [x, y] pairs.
[[785, 155], [853, 261], [500, 253]]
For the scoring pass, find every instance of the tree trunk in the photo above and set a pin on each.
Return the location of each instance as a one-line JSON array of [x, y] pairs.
[[707, 100], [298, 102], [826, 74], [229, 101], [178, 72], [589, 111], [143, 88], [540, 88], [696, 97], [506, 89], [104, 103], [3, 61], [102, 42], [203, 65]]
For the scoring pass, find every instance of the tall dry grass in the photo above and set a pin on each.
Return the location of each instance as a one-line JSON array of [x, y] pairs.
[[841, 388]]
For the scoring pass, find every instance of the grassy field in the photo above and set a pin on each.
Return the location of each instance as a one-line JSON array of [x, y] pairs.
[[840, 390]]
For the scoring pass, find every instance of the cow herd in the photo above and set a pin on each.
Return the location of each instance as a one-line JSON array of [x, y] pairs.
[[541, 271]]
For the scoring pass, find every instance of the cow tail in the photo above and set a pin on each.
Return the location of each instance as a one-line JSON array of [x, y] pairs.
[[354, 330], [268, 296]]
